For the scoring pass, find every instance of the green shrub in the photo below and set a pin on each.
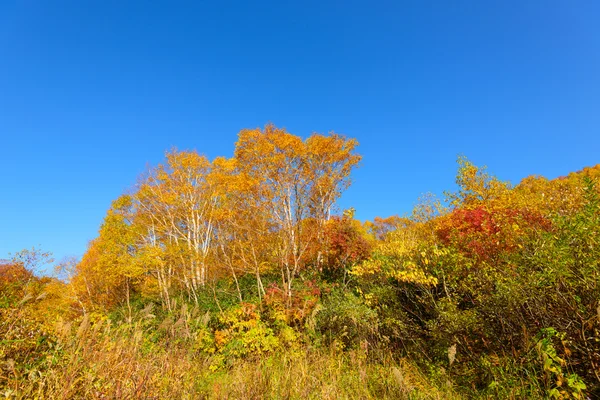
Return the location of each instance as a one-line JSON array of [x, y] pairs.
[[346, 319]]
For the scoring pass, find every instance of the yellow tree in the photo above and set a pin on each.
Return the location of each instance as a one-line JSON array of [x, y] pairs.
[[562, 196], [294, 181], [243, 229], [108, 269], [476, 186], [179, 202]]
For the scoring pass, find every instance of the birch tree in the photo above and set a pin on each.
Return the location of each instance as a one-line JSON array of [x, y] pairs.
[[295, 182]]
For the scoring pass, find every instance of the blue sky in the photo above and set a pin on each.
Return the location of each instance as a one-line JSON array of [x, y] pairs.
[[91, 92]]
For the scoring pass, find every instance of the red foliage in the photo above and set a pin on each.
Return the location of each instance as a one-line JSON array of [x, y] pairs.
[[345, 245], [485, 235]]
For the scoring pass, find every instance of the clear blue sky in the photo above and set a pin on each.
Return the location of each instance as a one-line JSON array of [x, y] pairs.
[[91, 92]]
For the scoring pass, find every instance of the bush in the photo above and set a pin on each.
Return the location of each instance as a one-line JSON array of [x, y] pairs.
[[345, 319]]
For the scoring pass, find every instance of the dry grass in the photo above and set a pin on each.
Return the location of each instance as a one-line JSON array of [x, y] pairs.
[[102, 361]]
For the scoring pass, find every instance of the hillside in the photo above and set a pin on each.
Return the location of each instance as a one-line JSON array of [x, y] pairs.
[[238, 278]]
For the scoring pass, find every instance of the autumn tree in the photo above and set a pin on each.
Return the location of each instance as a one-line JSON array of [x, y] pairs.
[[346, 244], [108, 271], [294, 181], [190, 221], [380, 227], [244, 231], [176, 203]]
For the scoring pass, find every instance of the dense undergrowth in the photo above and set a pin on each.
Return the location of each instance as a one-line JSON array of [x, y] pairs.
[[178, 358], [494, 296]]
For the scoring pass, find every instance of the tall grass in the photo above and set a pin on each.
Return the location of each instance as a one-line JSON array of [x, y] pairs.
[[104, 360]]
